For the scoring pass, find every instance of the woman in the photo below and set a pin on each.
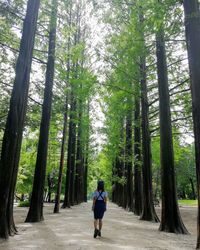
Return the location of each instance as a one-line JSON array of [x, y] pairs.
[[99, 207]]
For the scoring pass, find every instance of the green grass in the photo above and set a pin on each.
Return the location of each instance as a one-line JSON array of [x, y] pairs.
[[187, 202]]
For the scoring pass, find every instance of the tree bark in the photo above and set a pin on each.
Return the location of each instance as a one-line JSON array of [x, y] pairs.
[[148, 210], [137, 161], [119, 186], [129, 161], [170, 217], [79, 160], [192, 30], [10, 152], [69, 185], [73, 154], [86, 156], [35, 213], [86, 173], [49, 181], [74, 104], [62, 155]]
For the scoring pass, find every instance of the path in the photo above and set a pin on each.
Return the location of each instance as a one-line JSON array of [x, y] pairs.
[[72, 230]]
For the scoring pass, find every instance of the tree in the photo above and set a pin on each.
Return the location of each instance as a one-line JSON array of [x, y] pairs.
[[137, 160], [79, 158], [86, 154], [170, 219], [11, 145], [64, 135], [129, 155], [192, 30], [35, 213], [148, 211], [71, 152]]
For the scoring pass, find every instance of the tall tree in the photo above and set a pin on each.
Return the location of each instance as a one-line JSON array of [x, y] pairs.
[[129, 156], [62, 155], [35, 213], [64, 136], [71, 152], [79, 159], [137, 160], [12, 139], [170, 218], [192, 30], [72, 155], [86, 154], [148, 210]]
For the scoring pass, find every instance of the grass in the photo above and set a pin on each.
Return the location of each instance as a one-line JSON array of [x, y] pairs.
[[187, 202]]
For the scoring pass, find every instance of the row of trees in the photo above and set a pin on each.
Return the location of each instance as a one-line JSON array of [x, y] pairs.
[[146, 101], [148, 97], [56, 42]]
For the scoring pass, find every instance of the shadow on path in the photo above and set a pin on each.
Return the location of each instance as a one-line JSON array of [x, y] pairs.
[[72, 229]]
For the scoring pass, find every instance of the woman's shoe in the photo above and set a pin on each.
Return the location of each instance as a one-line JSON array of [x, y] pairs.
[[99, 233], [96, 232]]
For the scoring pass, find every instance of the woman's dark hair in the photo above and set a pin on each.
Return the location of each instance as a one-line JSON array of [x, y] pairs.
[[100, 185]]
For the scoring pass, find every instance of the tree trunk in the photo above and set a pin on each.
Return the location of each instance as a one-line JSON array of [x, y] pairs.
[[69, 185], [148, 211], [62, 155], [120, 194], [73, 149], [170, 217], [35, 213], [125, 170], [86, 174], [50, 185], [192, 29], [114, 183], [79, 159], [85, 182], [66, 197], [129, 162], [137, 161], [73, 155], [10, 152], [119, 187]]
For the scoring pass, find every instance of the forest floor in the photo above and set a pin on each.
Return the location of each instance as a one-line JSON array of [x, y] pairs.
[[72, 229]]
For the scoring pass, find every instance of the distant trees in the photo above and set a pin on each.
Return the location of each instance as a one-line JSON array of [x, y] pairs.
[[81, 82]]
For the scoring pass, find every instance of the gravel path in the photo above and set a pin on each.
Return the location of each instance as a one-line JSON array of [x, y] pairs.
[[72, 229]]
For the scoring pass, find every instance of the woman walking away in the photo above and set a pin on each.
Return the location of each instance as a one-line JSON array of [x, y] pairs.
[[99, 207]]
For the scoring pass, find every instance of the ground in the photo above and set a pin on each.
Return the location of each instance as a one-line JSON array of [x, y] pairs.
[[72, 229]]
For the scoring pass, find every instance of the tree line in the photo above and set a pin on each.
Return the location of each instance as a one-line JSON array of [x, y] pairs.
[[151, 97], [56, 104]]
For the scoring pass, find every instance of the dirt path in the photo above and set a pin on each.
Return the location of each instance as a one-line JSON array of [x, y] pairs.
[[72, 229]]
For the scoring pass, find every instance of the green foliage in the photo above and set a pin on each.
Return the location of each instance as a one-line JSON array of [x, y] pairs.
[[185, 168], [27, 164], [24, 203], [100, 169]]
